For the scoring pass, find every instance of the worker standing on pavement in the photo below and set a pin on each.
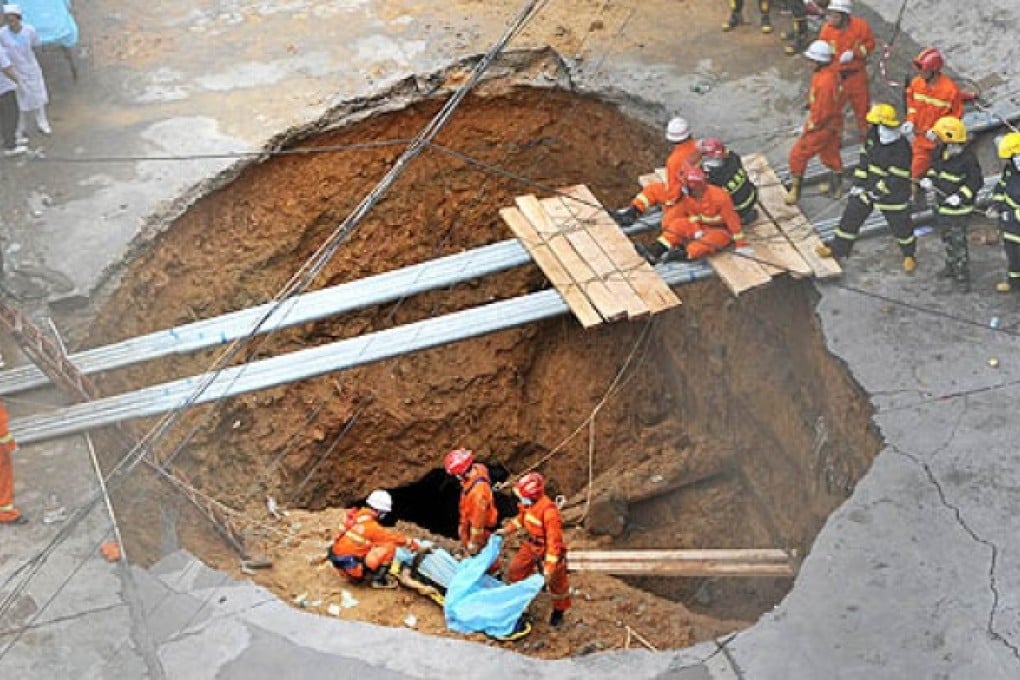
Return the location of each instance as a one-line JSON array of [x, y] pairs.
[[8, 513], [364, 548], [478, 513], [737, 15], [798, 33], [823, 131], [725, 169], [882, 181], [852, 43], [955, 176], [1005, 209], [700, 222], [931, 95], [544, 551]]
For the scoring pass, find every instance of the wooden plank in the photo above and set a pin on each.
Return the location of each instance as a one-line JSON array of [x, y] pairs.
[[738, 273], [593, 287], [569, 289], [572, 218], [716, 554], [768, 242], [688, 569], [792, 222], [640, 275]]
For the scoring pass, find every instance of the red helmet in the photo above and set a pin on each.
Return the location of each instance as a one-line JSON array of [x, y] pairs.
[[930, 59], [531, 486], [712, 147], [458, 461], [695, 180]]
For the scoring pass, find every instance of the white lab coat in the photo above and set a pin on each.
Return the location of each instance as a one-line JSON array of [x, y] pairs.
[[20, 48]]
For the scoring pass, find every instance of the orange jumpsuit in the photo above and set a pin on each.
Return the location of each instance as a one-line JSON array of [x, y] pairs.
[[478, 513], [684, 155], [712, 214], [824, 127], [544, 549], [926, 103], [857, 37], [367, 544], [8, 513]]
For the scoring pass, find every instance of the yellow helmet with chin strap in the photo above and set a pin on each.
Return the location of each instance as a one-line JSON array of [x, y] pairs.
[[950, 130], [1009, 145], [883, 114]]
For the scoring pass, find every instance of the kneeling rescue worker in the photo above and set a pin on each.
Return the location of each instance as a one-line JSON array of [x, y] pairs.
[[364, 548], [544, 551], [478, 513]]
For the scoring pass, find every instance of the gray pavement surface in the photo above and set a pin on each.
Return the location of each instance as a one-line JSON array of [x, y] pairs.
[[914, 577]]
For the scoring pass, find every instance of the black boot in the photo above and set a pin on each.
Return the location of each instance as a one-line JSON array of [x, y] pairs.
[[799, 37], [556, 619], [731, 23]]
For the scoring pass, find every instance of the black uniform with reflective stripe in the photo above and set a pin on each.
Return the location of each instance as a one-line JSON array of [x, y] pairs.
[[732, 177], [884, 171], [959, 174], [1006, 199]]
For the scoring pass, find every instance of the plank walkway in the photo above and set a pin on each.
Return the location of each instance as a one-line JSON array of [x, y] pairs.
[[587, 258], [694, 563]]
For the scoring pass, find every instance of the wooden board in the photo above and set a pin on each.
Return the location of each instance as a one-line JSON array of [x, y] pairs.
[[593, 287], [539, 250], [737, 554], [794, 225], [769, 243], [573, 220], [645, 281], [737, 272], [688, 569]]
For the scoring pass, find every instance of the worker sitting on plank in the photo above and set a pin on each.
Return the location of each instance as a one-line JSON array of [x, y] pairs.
[[544, 550], [698, 222], [364, 547], [477, 510]]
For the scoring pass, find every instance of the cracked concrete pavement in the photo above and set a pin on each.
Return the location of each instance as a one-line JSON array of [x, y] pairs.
[[915, 576]]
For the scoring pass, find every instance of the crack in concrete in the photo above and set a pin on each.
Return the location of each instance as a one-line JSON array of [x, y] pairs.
[[63, 619], [993, 548]]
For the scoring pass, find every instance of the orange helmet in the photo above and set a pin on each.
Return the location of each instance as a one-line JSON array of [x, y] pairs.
[[530, 487], [930, 59], [695, 180], [458, 461], [712, 147]]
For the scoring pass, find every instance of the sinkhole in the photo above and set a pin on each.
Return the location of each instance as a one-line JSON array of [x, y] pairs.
[[730, 424]]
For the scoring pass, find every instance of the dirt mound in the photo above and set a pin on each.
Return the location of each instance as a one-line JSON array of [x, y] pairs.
[[729, 426]]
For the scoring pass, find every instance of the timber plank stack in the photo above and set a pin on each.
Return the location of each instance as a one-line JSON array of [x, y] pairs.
[[742, 562], [587, 258]]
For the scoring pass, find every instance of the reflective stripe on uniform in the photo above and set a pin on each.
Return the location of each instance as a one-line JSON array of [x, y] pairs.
[[528, 517], [930, 100], [552, 559], [892, 207], [357, 538], [906, 241], [643, 200], [1011, 237], [846, 236], [876, 170], [475, 531], [7, 438], [965, 190], [899, 172], [950, 177], [955, 212]]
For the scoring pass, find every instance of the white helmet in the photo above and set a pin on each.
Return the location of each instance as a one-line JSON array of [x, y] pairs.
[[678, 130], [844, 6], [380, 501], [819, 51]]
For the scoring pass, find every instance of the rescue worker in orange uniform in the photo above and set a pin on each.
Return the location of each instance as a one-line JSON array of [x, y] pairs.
[[478, 513], [702, 221], [364, 547], [544, 551], [852, 42], [685, 154], [931, 95], [823, 131], [8, 513]]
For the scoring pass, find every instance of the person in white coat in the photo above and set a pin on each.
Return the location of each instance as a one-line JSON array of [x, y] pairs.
[[19, 40]]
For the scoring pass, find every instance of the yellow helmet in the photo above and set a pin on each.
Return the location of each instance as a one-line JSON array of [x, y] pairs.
[[950, 130], [1009, 145], [883, 114]]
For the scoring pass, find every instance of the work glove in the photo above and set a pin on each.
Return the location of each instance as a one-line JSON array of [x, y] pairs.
[[846, 57], [992, 213], [698, 235], [856, 190], [953, 200], [472, 549], [926, 183], [907, 129], [547, 577], [414, 545], [626, 216]]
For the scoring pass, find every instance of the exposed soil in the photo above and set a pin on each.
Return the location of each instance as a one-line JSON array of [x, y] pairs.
[[734, 406]]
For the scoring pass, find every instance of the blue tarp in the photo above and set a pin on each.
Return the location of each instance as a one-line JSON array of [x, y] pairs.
[[52, 20], [471, 607]]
